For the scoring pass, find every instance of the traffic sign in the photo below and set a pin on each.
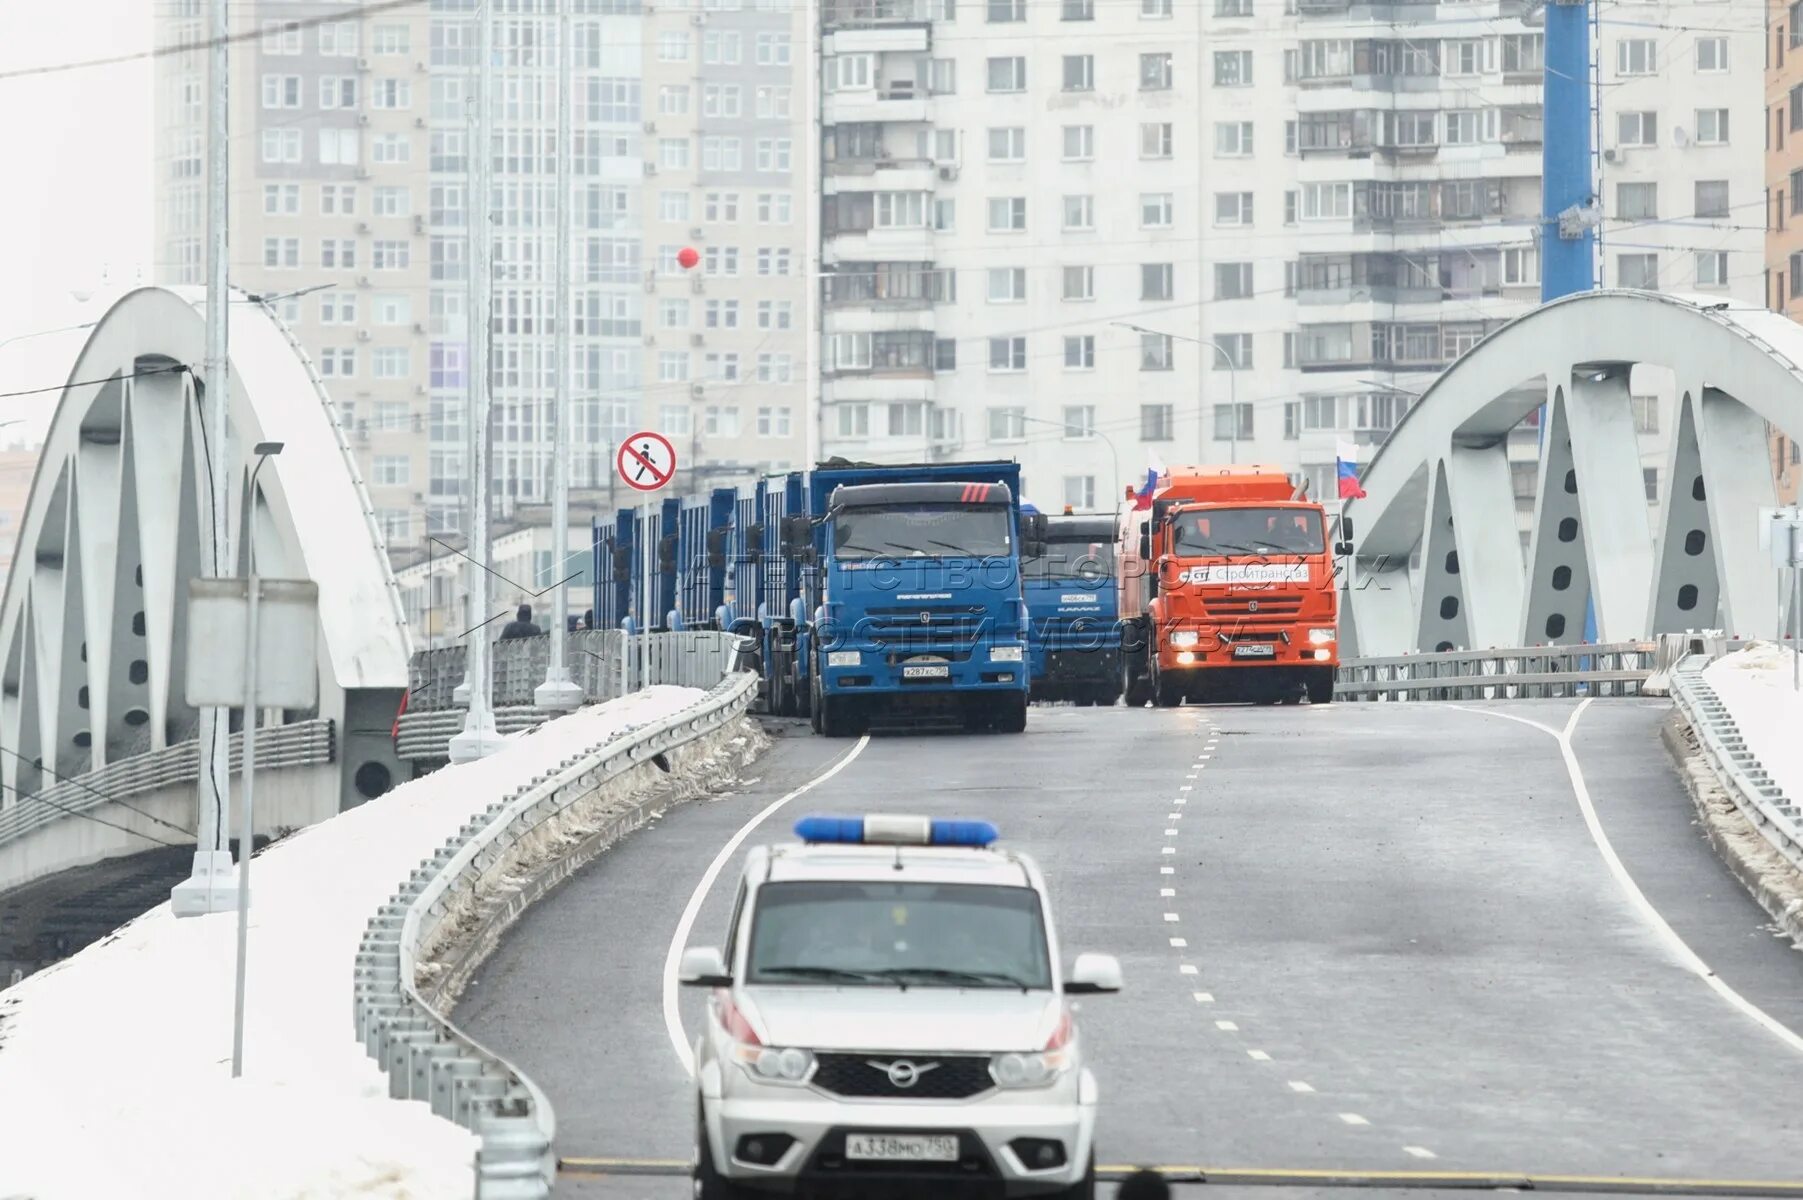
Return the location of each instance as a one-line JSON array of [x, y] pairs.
[[646, 461]]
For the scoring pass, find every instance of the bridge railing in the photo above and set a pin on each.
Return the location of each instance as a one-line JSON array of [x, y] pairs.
[[1531, 672], [397, 1004], [696, 658]]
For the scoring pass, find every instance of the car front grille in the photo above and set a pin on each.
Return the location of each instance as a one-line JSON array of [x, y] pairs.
[[938, 1077]]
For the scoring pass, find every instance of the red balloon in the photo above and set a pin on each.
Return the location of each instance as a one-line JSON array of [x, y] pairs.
[[688, 256]]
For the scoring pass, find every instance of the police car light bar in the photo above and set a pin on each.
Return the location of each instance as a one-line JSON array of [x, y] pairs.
[[884, 829]]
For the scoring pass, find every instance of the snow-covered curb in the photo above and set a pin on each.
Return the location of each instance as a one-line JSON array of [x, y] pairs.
[[115, 1065]]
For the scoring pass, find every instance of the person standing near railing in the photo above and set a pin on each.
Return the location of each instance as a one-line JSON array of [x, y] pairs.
[[521, 626]]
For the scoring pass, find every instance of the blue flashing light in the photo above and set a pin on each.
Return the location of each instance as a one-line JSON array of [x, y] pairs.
[[883, 829]]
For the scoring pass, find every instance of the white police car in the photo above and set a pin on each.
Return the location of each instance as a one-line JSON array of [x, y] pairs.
[[888, 1020]]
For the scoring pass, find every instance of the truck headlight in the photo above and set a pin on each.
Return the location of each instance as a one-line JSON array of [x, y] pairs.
[[1026, 1070], [772, 1065], [1320, 636], [1004, 654], [1185, 637], [843, 658]]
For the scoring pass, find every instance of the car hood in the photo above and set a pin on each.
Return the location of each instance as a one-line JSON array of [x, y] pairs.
[[985, 1020]]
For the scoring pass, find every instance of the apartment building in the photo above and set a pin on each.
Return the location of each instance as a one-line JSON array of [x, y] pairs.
[[1784, 201], [1082, 232], [328, 210]]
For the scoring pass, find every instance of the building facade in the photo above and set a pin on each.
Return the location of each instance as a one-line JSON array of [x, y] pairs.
[[1784, 200]]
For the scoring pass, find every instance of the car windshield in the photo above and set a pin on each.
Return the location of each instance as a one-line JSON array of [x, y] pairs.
[[1086, 560], [922, 531], [1260, 531], [912, 934]]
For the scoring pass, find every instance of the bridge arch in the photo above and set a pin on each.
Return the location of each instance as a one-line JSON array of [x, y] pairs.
[[1440, 495]]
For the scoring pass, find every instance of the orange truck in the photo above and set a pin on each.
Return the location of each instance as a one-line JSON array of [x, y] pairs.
[[1227, 590]]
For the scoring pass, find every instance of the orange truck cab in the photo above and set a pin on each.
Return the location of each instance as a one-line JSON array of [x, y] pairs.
[[1227, 590]]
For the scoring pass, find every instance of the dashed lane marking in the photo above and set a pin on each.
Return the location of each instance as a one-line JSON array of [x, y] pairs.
[[1167, 892], [1296, 1085], [1179, 943], [1170, 833], [1353, 1119], [1203, 997], [1227, 1026], [1168, 850], [1167, 870], [1169, 917], [1258, 1056], [1186, 969], [1419, 1152]]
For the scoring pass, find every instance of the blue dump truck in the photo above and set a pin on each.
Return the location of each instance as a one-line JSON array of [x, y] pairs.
[[1074, 640], [871, 592]]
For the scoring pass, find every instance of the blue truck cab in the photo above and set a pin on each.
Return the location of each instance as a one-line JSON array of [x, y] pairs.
[[910, 606], [1074, 640]]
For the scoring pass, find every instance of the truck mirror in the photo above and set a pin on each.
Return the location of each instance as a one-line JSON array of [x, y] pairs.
[[797, 535], [1346, 530], [716, 546], [1034, 530], [1145, 541], [1342, 548]]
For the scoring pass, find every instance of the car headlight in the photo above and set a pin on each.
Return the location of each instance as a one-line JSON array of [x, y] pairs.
[[1318, 636], [1026, 1070], [1185, 637], [1004, 654], [843, 658], [770, 1064]]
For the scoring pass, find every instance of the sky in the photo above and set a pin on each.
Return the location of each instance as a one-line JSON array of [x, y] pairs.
[[79, 217]]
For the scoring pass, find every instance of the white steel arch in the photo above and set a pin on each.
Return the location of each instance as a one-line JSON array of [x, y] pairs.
[[1439, 489], [93, 624]]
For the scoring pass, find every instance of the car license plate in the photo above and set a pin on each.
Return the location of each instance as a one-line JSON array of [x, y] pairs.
[[1255, 650], [938, 671], [889, 1147]]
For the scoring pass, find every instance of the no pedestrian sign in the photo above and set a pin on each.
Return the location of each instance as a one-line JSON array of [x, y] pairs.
[[646, 461]]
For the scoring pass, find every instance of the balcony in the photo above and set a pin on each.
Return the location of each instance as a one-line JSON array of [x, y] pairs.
[[886, 287], [898, 102], [874, 14], [903, 244], [879, 174]]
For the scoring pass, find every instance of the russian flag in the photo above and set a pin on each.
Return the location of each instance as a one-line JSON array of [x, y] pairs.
[[1142, 499], [1346, 470]]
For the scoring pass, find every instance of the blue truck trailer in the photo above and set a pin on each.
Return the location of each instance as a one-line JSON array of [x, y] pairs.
[[1074, 643]]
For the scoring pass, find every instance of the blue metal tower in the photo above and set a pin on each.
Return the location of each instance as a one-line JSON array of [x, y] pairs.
[[1569, 206]]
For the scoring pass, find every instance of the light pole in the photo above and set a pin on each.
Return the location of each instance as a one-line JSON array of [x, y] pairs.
[[1233, 440], [1112, 451]]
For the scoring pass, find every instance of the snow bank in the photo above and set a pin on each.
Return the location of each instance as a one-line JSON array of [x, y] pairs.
[[1755, 684], [115, 1065]]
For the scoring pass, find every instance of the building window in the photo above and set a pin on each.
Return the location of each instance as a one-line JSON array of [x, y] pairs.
[[338, 91], [1007, 285], [1646, 413], [945, 355], [1154, 72], [1008, 144], [1233, 208], [854, 420], [1712, 198], [338, 252], [1712, 54], [1008, 354], [338, 362], [1079, 422], [1712, 268], [338, 39], [1155, 210], [1079, 212], [773, 420], [1712, 127], [1155, 352], [392, 202], [391, 255], [1008, 74], [942, 76], [1233, 281], [1233, 139], [392, 362], [1157, 422], [1154, 9], [1155, 140], [1521, 266], [1079, 283], [1289, 207], [1079, 73], [1236, 349], [1077, 10], [392, 470], [1233, 422], [281, 37], [1080, 352], [1079, 143], [1157, 281], [281, 253], [281, 145], [1080, 492], [1464, 126], [1006, 213], [281, 91], [1637, 56], [1233, 68], [1636, 201], [281, 200], [1637, 270], [1649, 478], [1007, 424], [1004, 11], [1637, 128], [1233, 8], [390, 39]]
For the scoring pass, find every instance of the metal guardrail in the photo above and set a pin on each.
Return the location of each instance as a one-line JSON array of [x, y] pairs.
[[425, 1055], [1760, 800], [302, 744], [1533, 672], [689, 659]]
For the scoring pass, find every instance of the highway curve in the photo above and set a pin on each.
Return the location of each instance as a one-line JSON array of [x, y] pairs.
[[1356, 938]]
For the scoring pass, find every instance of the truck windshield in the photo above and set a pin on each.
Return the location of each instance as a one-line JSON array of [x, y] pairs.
[[918, 934], [1260, 531], [922, 531], [1086, 560]]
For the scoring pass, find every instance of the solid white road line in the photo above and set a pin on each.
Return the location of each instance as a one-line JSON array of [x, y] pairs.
[[1687, 958], [672, 1015]]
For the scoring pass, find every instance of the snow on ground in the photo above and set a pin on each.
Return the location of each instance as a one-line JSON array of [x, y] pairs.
[[115, 1065], [1755, 684]]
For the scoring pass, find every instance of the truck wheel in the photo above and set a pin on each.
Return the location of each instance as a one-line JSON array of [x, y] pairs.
[[829, 717], [1134, 684], [1169, 694], [814, 714], [1013, 718], [1320, 686], [1105, 695]]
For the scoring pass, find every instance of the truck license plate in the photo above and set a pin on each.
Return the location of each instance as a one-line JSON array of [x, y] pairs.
[[1255, 650], [888, 1147], [936, 671]]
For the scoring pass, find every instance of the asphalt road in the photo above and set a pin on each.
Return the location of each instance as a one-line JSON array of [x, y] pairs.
[[1372, 937]]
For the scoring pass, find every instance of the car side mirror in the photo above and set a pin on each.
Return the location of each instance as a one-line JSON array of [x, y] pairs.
[[1091, 975], [702, 966]]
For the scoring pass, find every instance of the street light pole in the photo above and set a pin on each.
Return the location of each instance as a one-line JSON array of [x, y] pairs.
[[1233, 404], [558, 691], [1113, 452]]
